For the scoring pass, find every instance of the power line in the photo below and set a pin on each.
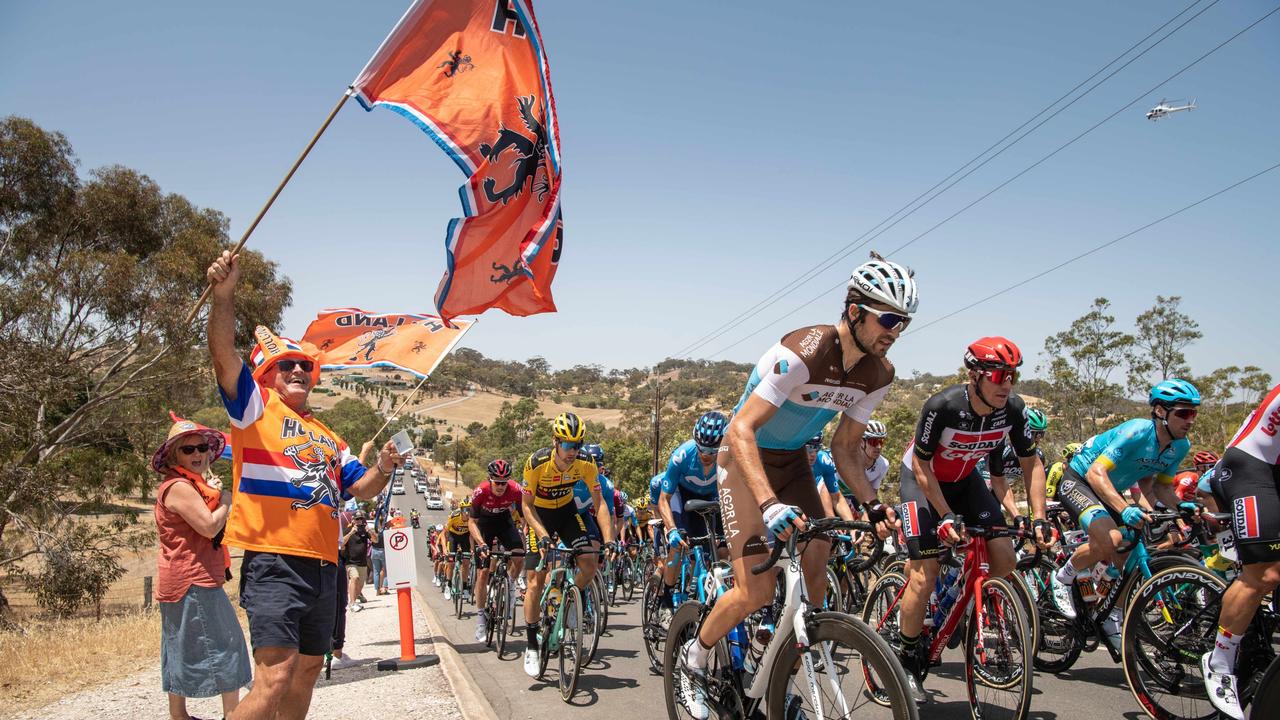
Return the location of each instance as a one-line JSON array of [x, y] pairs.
[[1037, 163], [1089, 252], [863, 239]]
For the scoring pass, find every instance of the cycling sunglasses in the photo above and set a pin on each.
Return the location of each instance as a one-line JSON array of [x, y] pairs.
[[708, 450], [888, 320], [289, 365], [188, 449], [566, 445], [1185, 413], [1000, 373], [874, 442]]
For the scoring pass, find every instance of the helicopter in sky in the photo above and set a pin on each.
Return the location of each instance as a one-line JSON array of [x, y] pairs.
[[1165, 108]]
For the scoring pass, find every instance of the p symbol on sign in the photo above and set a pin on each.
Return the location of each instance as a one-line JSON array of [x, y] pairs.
[[399, 541]]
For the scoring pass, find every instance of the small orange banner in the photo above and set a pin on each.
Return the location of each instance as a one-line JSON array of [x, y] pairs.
[[354, 338]]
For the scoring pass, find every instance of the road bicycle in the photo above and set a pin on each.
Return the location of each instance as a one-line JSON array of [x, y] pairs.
[[561, 621], [499, 603], [802, 661], [691, 582], [996, 634]]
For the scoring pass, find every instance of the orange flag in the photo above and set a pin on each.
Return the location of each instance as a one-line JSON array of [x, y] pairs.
[[351, 337], [473, 75]]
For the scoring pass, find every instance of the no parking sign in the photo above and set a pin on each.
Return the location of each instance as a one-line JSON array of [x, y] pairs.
[[402, 571]]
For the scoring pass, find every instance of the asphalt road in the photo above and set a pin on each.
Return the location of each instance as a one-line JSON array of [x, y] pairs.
[[620, 683]]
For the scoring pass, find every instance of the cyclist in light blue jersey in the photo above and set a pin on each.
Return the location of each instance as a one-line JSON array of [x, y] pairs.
[[828, 480], [582, 497], [1145, 452], [691, 475]]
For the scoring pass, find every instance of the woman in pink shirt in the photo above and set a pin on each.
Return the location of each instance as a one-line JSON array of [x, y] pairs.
[[202, 648]]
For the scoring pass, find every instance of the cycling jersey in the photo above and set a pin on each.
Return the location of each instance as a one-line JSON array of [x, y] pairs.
[[484, 503], [824, 472], [457, 523], [1005, 463], [1184, 484], [1259, 436], [951, 438], [582, 496], [1052, 478], [551, 487], [803, 375], [655, 488], [685, 473], [1131, 451], [875, 475]]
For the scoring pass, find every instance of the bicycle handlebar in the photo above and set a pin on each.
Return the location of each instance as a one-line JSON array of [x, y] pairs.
[[820, 526]]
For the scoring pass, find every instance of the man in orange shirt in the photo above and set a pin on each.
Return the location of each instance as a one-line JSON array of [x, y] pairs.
[[291, 475]]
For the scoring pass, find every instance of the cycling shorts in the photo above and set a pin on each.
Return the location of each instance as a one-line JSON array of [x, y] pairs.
[[969, 498], [695, 524], [1249, 489], [458, 542], [593, 527], [564, 522], [1079, 499], [500, 531], [791, 479]]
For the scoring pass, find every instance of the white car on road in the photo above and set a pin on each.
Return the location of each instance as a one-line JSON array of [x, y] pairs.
[[435, 503]]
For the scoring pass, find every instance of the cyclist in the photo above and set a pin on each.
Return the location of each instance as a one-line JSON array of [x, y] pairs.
[[458, 533], [691, 475], [1003, 463], [1054, 476], [549, 476], [491, 523], [828, 481], [1093, 486], [1247, 484], [767, 483], [1204, 462], [940, 482]]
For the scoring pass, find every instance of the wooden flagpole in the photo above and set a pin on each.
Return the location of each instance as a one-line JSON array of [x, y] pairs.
[[396, 413], [261, 213]]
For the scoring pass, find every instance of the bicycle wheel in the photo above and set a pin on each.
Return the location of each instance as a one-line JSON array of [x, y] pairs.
[[571, 658], [455, 584], [1171, 621], [838, 643], [591, 625], [724, 691], [1061, 639], [497, 608], [998, 654], [834, 600], [1268, 694], [1029, 609], [880, 613], [602, 604], [546, 627], [652, 629]]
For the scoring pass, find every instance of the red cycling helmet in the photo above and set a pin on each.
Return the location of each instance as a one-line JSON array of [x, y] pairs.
[[500, 469], [1204, 457], [989, 351]]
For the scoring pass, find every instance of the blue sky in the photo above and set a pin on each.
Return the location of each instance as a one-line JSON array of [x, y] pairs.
[[712, 153]]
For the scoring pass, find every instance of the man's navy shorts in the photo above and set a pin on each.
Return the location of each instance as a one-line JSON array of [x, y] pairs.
[[291, 601]]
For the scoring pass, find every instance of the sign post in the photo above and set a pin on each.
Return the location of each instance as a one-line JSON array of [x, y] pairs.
[[402, 574]]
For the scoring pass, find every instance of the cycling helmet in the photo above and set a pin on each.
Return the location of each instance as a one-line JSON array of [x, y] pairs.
[[886, 282], [815, 442], [625, 497], [992, 352], [875, 429], [1204, 457], [568, 427], [1071, 449], [1037, 421], [464, 503], [1172, 391], [595, 452], [500, 469], [439, 527], [709, 430]]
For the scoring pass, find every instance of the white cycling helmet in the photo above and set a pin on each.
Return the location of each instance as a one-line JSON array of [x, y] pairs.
[[875, 429], [887, 282]]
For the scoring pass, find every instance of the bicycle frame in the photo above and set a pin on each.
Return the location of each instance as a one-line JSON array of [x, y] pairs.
[[973, 573], [557, 579]]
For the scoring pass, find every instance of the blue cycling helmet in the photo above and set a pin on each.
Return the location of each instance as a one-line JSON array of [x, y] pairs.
[[1172, 391], [709, 430], [595, 452], [815, 442]]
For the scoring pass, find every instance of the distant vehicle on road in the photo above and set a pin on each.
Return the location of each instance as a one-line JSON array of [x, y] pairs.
[[435, 503], [397, 488]]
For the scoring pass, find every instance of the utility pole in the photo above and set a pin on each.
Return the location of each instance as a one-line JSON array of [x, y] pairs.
[[657, 423]]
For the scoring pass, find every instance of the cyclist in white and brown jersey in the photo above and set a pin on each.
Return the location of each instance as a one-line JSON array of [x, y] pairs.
[[766, 483]]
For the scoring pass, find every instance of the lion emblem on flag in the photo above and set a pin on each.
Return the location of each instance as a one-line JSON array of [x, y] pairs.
[[309, 457], [529, 156]]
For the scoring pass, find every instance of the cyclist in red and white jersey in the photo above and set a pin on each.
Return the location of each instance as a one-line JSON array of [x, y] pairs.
[[1246, 483], [940, 482], [492, 523]]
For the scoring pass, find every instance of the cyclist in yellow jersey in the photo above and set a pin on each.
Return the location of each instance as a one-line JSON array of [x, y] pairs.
[[549, 477], [1055, 470], [457, 531]]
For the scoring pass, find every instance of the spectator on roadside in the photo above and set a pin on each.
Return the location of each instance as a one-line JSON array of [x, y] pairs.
[[290, 474], [378, 562], [202, 649], [355, 555]]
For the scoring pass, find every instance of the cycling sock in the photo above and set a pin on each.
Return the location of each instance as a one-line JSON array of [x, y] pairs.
[[698, 654], [1225, 647], [908, 645], [531, 634], [1067, 573]]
